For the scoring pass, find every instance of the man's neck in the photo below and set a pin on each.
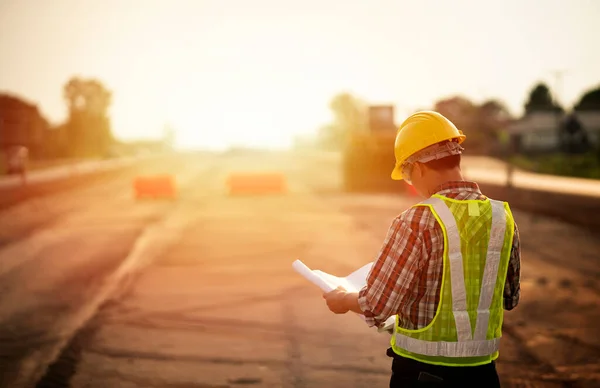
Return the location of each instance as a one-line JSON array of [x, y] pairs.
[[444, 177]]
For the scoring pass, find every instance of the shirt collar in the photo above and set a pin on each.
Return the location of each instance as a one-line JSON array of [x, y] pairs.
[[457, 186]]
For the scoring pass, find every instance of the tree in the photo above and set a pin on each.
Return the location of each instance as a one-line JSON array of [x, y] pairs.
[[589, 101], [540, 100], [482, 124], [495, 111], [88, 126], [57, 141], [492, 118], [459, 110], [349, 111], [463, 113], [350, 115], [328, 137]]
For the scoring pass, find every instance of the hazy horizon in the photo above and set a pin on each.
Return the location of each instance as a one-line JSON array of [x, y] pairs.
[[260, 72]]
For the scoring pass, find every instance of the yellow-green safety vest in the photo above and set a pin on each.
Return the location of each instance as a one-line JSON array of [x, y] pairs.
[[467, 325]]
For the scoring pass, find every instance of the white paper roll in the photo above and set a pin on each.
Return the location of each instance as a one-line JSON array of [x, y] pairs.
[[353, 282], [307, 273]]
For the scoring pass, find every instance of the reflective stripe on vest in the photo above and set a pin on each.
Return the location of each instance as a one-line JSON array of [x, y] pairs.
[[468, 345], [470, 348]]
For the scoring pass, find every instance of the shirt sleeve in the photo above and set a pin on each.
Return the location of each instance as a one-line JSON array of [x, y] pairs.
[[394, 275], [512, 288]]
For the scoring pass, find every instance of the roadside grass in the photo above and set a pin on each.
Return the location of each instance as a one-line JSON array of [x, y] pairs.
[[579, 165]]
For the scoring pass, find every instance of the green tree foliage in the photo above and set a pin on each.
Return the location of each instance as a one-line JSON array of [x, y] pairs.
[[483, 124], [589, 101], [57, 142], [350, 114], [492, 119], [461, 111], [540, 100], [88, 126]]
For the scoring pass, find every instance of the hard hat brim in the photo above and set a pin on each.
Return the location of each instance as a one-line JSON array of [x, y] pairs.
[[397, 174]]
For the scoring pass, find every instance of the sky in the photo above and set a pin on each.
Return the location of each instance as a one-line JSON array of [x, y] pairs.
[[259, 72]]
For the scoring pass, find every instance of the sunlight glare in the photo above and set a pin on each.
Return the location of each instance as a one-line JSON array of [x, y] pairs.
[[241, 118]]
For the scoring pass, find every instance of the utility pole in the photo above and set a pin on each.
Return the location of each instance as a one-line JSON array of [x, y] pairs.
[[558, 84]]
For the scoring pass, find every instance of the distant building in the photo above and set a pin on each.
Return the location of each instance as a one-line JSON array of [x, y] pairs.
[[20, 123], [546, 131]]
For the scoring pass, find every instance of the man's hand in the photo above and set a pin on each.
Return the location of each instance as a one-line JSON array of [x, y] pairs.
[[336, 300]]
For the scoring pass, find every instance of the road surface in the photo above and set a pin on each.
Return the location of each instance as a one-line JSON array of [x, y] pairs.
[[199, 291]]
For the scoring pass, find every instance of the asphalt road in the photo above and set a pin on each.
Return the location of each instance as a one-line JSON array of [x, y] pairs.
[[199, 291]]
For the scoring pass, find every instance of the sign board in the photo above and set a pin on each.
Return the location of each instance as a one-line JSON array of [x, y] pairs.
[[381, 118]]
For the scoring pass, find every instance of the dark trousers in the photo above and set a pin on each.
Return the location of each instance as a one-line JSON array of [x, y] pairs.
[[407, 372]]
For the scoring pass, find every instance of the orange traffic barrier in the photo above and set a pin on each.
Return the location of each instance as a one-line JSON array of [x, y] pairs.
[[160, 186], [256, 183]]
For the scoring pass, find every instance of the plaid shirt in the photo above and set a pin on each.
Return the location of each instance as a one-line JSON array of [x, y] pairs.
[[407, 275]]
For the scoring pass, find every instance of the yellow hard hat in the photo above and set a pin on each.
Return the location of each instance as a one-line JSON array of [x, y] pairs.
[[419, 131]]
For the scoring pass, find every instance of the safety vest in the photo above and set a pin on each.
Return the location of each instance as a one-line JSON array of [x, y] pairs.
[[467, 325]]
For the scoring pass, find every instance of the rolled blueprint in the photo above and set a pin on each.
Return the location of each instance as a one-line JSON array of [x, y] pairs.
[[311, 276], [353, 283]]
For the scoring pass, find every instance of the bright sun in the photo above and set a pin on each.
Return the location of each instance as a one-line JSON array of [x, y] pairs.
[[261, 122]]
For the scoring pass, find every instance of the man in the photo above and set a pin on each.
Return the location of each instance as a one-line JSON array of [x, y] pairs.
[[448, 268]]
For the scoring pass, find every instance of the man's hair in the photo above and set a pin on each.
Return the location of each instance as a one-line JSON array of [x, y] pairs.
[[443, 164]]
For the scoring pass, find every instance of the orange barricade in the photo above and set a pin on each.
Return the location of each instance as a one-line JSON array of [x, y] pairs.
[[256, 183], [161, 186]]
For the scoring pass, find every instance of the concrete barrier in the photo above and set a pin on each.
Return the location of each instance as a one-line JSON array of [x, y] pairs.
[[66, 171], [583, 210], [572, 200], [14, 189]]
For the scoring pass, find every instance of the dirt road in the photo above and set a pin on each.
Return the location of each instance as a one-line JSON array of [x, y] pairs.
[[212, 300]]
